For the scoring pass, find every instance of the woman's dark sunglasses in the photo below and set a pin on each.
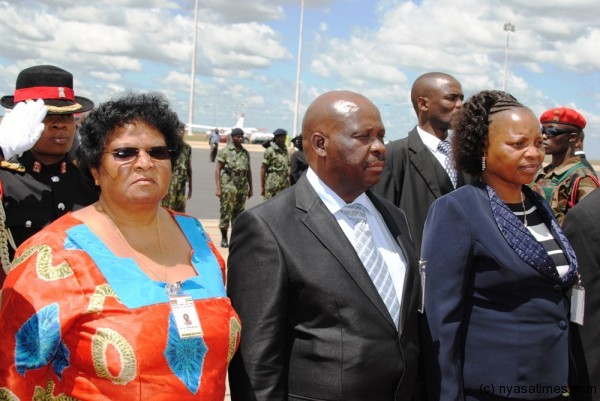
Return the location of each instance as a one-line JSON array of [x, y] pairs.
[[551, 132], [130, 154]]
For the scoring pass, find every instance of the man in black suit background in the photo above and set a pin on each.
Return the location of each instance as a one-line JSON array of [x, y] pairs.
[[314, 323], [582, 228], [415, 174]]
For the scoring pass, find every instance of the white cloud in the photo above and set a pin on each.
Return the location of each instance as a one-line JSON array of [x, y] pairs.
[[244, 11], [246, 51], [176, 80], [466, 38], [102, 75], [582, 54], [241, 46]]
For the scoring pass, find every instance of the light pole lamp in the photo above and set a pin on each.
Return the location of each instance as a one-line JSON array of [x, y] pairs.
[[508, 28]]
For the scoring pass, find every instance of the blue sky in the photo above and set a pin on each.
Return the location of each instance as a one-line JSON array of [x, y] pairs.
[[247, 52]]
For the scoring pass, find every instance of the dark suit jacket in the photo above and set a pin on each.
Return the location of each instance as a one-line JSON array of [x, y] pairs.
[[412, 179], [313, 324], [298, 166], [582, 227], [496, 310]]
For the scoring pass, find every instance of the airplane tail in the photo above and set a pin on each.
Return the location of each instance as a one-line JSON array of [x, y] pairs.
[[240, 122]]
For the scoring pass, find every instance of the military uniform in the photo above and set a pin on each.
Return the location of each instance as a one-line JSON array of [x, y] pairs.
[[277, 164], [556, 185], [234, 183], [37, 194], [176, 197]]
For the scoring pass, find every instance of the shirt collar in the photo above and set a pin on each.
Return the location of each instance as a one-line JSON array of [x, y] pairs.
[[564, 167], [429, 140], [332, 200], [32, 165]]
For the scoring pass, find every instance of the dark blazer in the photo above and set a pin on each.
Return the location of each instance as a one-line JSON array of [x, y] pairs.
[[412, 179], [495, 307], [313, 324], [582, 227], [298, 165]]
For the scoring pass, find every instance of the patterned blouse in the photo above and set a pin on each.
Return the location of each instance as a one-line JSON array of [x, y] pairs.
[[79, 323]]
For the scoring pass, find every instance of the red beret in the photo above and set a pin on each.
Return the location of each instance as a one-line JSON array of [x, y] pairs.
[[563, 115]]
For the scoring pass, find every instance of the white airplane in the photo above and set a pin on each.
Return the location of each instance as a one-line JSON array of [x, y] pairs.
[[225, 131]]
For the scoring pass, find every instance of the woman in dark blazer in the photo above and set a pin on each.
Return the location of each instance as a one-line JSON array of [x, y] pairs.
[[497, 267]]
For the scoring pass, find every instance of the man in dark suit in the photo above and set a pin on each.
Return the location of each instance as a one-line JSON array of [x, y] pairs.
[[315, 326], [414, 174], [583, 231]]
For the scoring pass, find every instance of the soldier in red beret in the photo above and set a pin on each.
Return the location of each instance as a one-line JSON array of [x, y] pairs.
[[566, 180]]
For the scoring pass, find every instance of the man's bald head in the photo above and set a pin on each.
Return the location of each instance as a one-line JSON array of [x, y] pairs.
[[436, 97], [328, 112], [342, 135], [427, 83]]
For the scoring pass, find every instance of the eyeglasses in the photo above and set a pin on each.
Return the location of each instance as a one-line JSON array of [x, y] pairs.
[[130, 154], [551, 132]]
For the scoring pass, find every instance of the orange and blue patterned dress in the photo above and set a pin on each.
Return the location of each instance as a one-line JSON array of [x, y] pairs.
[[79, 323]]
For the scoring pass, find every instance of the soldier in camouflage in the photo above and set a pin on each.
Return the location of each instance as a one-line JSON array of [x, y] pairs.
[[275, 169], [181, 179], [566, 180], [233, 179]]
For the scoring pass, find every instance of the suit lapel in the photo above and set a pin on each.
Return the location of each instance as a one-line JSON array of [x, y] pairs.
[[427, 165], [523, 242], [324, 226]]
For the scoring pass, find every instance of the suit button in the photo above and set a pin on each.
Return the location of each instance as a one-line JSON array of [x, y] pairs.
[[403, 341], [562, 325], [558, 288]]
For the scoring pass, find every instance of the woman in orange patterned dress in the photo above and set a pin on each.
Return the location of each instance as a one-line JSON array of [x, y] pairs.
[[93, 308]]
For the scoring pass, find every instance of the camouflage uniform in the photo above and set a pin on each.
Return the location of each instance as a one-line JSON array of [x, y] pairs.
[[277, 164], [556, 185], [176, 196], [234, 183]]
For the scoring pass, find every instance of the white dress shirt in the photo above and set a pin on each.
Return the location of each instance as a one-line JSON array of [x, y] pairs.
[[432, 142], [392, 254]]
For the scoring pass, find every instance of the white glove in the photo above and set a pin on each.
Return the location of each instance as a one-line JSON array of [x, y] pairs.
[[22, 127]]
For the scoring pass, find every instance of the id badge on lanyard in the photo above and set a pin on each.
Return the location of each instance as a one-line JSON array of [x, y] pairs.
[[578, 302], [422, 274], [184, 311]]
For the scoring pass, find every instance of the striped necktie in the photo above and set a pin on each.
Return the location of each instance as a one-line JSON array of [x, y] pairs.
[[372, 259], [444, 147]]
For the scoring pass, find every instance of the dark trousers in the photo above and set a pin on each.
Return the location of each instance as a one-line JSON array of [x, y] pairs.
[[214, 147]]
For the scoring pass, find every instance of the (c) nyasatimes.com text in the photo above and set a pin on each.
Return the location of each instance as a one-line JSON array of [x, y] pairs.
[[506, 391]]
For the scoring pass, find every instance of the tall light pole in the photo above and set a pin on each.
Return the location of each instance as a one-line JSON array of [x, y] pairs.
[[297, 102], [193, 79], [508, 28]]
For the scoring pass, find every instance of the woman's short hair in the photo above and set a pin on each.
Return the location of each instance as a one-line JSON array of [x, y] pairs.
[[150, 108], [471, 127]]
